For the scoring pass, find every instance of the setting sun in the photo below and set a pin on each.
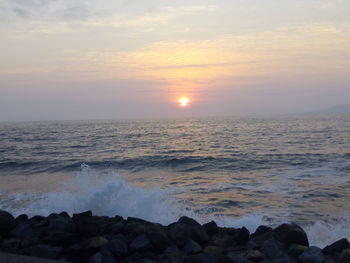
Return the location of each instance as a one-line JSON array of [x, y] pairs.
[[183, 101]]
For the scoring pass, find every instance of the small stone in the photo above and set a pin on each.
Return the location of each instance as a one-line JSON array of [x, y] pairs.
[[191, 247], [291, 234], [7, 222], [312, 255], [96, 242], [344, 256], [140, 244]]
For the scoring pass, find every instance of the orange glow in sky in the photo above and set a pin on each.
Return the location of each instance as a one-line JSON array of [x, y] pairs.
[[184, 101]]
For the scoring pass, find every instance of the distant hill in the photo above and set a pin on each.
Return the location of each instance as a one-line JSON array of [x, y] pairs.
[[343, 108]]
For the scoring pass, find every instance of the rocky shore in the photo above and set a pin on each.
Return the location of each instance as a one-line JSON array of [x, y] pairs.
[[87, 238]]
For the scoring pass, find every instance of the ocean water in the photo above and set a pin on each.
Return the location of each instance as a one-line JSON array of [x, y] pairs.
[[237, 171]]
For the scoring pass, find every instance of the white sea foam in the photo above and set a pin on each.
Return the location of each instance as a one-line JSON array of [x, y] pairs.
[[111, 195]]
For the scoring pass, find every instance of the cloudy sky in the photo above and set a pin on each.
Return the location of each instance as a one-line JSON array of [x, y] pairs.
[[111, 59]]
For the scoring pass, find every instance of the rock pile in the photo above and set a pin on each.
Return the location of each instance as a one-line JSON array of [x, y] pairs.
[[99, 239]]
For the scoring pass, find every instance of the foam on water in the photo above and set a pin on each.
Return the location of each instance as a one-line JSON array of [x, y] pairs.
[[111, 195]]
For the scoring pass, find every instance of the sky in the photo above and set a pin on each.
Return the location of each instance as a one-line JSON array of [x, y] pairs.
[[114, 59]]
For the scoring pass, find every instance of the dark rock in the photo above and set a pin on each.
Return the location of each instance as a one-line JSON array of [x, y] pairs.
[[140, 244], [24, 230], [172, 249], [64, 214], [76, 253], [188, 221], [96, 242], [21, 218], [45, 251], [180, 233], [173, 258], [159, 240], [336, 247], [283, 259], [296, 250], [291, 234], [312, 255], [138, 220], [115, 228], [62, 223], [261, 230], [62, 238], [37, 219], [255, 255], [7, 222], [236, 258], [28, 242], [344, 256], [11, 243], [103, 256], [118, 247], [213, 250], [201, 258], [191, 247], [243, 236], [211, 227], [82, 221], [272, 248]]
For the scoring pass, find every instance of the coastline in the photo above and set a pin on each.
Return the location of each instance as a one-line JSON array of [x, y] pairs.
[[84, 237]]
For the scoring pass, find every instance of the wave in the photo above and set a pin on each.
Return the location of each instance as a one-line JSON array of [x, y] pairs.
[[110, 195]]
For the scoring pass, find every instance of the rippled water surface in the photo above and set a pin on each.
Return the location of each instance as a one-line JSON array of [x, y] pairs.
[[270, 169]]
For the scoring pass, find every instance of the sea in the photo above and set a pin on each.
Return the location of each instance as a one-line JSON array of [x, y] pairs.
[[238, 171]]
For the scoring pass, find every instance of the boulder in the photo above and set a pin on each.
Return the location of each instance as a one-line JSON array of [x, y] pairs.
[[96, 242], [24, 230], [243, 236], [140, 244], [336, 247], [118, 247], [291, 234], [296, 250], [312, 255], [344, 256], [255, 255], [272, 248], [211, 227], [7, 222], [159, 240], [201, 258], [188, 221], [191, 247], [103, 256]]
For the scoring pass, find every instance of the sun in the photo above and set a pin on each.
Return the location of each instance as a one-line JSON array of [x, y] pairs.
[[183, 101]]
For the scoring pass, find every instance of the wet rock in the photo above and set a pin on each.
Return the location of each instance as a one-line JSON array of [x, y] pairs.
[[173, 258], [296, 250], [243, 236], [291, 234], [312, 255], [62, 238], [191, 247], [7, 222], [283, 259], [255, 255], [24, 230], [103, 256], [159, 240], [344, 256], [140, 244], [28, 242], [21, 218], [262, 230], [115, 228], [336, 247], [118, 247], [188, 221], [211, 227], [45, 251]]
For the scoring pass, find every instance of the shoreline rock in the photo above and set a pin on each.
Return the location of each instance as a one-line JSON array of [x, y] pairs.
[[85, 237]]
